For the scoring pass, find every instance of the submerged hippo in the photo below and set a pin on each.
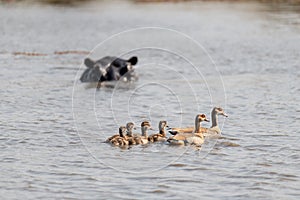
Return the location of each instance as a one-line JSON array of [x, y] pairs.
[[108, 68]]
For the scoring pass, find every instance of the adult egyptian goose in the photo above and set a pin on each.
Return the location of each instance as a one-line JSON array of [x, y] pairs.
[[214, 129], [195, 138]]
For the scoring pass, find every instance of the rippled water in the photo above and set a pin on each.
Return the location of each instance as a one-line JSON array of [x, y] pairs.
[[246, 59]]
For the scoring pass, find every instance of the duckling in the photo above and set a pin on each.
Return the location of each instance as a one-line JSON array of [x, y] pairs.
[[130, 137], [161, 136], [137, 139], [195, 138], [143, 139], [120, 140], [129, 127], [214, 129], [113, 137]]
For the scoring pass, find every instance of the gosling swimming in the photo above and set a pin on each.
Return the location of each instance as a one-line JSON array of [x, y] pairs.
[[161, 136], [145, 126], [130, 137], [121, 139]]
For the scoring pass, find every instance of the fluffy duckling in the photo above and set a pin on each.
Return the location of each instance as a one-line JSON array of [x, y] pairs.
[[195, 138], [161, 136], [130, 127], [214, 129], [121, 139], [130, 137], [143, 139], [113, 137]]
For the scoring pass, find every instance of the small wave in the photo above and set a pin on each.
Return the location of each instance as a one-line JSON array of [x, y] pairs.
[[264, 164], [229, 144], [289, 175], [228, 138], [71, 52], [177, 165], [157, 191], [196, 169], [28, 54], [17, 53]]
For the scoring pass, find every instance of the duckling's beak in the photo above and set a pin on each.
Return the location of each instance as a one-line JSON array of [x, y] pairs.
[[151, 128], [224, 114], [134, 128], [207, 120]]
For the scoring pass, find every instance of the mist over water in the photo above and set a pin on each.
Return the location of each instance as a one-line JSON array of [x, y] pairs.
[[53, 127]]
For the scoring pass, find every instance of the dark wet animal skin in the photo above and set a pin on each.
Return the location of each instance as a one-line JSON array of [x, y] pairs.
[[114, 69]]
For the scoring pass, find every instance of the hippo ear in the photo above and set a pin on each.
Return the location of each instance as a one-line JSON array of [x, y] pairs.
[[133, 60], [89, 62]]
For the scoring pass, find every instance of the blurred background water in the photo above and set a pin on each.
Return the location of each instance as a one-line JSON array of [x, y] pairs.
[[244, 57]]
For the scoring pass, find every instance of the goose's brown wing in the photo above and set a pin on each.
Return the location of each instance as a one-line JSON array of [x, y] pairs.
[[175, 131]]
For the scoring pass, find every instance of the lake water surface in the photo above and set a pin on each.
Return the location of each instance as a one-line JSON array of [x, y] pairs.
[[192, 56]]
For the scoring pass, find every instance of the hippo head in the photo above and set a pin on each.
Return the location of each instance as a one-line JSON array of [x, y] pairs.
[[93, 74]]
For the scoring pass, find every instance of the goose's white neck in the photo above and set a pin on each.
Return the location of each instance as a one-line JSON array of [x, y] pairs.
[[214, 118]]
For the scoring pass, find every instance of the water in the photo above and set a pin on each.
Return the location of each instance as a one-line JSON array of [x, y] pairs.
[[52, 126]]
